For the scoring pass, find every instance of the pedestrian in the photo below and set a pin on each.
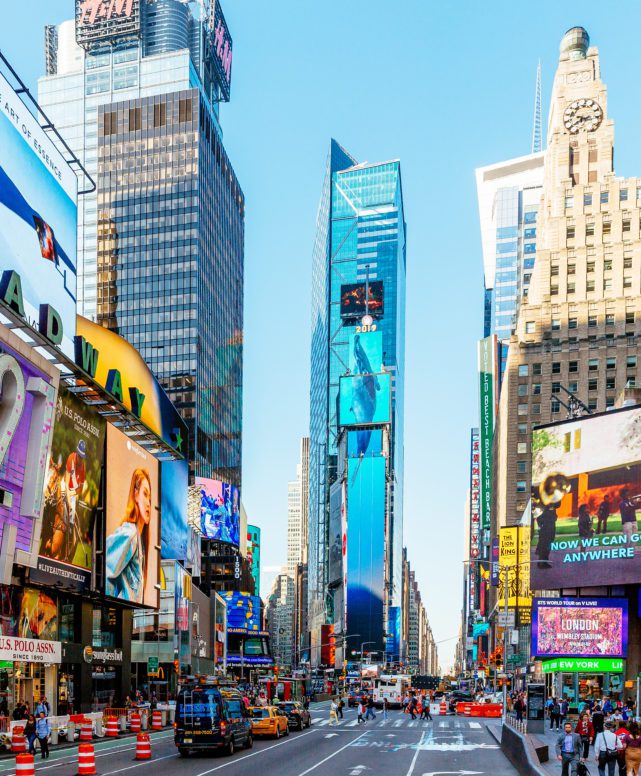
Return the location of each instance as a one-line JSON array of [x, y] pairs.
[[585, 729], [632, 744], [43, 731], [606, 749], [425, 711], [565, 707], [598, 721], [30, 733], [370, 708], [361, 712], [568, 750], [412, 706], [518, 708], [42, 706], [341, 706], [555, 715], [19, 711], [333, 712], [385, 707], [603, 512]]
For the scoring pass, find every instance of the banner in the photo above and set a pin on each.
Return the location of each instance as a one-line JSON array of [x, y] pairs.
[[514, 566], [488, 405]]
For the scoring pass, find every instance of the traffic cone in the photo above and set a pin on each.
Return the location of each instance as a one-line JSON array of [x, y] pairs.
[[86, 731], [86, 760], [156, 720], [112, 727], [143, 747], [134, 722], [24, 765], [18, 742]]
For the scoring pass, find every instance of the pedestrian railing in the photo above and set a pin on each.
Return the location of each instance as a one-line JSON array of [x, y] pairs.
[[512, 721]]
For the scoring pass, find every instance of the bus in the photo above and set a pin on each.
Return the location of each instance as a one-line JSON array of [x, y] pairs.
[[390, 686]]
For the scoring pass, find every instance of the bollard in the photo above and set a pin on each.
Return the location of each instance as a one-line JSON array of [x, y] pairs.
[[134, 722], [112, 727], [143, 747], [86, 731], [86, 760], [54, 736], [18, 741], [99, 729], [25, 765], [163, 717], [144, 720], [156, 720], [71, 731], [172, 715], [122, 724]]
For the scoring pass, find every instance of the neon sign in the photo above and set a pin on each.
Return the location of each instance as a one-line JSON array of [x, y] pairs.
[[92, 11]]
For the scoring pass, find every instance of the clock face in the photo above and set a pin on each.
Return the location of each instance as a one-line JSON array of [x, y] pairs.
[[582, 114]]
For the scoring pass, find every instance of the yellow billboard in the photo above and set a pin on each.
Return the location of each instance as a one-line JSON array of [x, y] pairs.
[[514, 564]]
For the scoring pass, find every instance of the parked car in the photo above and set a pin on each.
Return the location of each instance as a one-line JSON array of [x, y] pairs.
[[297, 716], [269, 721], [354, 698]]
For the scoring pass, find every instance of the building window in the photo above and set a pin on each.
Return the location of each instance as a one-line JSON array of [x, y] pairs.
[[135, 119], [611, 363], [536, 409], [529, 217], [593, 365], [184, 110], [521, 486], [627, 262], [522, 409], [536, 369], [592, 320], [554, 290], [609, 401], [521, 448], [160, 115], [604, 197], [623, 195], [556, 387], [536, 389], [571, 269], [571, 288], [522, 391], [573, 387], [569, 202], [607, 227], [110, 123], [573, 323], [589, 286], [627, 281], [587, 199], [609, 319], [523, 370], [570, 232], [529, 248], [573, 366], [554, 269], [522, 428], [592, 404], [625, 225], [555, 406], [631, 361], [593, 155], [530, 233], [556, 367], [607, 284], [530, 327], [521, 467], [589, 230], [609, 383], [589, 267], [593, 384], [607, 264], [629, 317]]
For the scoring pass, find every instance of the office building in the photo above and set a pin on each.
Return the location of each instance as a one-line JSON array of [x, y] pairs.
[[278, 615], [358, 289], [136, 94]]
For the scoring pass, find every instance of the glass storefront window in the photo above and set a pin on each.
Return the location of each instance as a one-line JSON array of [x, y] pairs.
[[68, 612], [105, 628], [567, 687], [590, 687]]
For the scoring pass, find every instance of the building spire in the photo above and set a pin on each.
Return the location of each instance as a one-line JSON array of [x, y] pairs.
[[537, 136]]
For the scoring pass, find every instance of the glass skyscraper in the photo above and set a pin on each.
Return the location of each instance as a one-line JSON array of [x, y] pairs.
[[360, 240]]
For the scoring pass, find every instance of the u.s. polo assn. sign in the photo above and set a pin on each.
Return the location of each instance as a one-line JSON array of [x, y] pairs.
[[30, 650]]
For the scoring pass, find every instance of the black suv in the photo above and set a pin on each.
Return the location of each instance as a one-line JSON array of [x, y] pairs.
[[297, 716]]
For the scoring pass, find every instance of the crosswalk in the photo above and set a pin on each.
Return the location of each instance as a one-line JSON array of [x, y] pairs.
[[451, 723]]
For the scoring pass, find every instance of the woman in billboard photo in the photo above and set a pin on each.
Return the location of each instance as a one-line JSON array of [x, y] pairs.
[[128, 545]]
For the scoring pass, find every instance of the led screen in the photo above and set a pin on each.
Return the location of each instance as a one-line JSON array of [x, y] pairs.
[[175, 533], [72, 492], [364, 400], [243, 611], [586, 493], [366, 352], [37, 216], [219, 510], [132, 533], [335, 533], [353, 299], [583, 627]]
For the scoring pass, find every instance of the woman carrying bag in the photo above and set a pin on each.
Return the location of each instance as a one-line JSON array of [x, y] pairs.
[[632, 743], [586, 731]]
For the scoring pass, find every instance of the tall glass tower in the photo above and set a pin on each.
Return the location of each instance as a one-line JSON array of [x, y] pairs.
[[359, 254]]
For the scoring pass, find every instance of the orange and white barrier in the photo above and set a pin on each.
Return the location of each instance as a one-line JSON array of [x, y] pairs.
[[156, 720], [442, 709], [111, 730], [86, 730], [25, 765], [86, 760], [135, 722], [18, 741], [143, 746]]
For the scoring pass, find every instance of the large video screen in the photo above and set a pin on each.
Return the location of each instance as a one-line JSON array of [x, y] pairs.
[[366, 352], [586, 492], [243, 611], [580, 627], [72, 492], [353, 297], [365, 400], [132, 533], [175, 530], [219, 510], [38, 216], [335, 532]]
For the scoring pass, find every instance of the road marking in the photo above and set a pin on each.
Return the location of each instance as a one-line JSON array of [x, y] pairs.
[[418, 749], [309, 770], [455, 773], [475, 725], [253, 754], [138, 765], [353, 723], [331, 735], [398, 723], [323, 722], [413, 723]]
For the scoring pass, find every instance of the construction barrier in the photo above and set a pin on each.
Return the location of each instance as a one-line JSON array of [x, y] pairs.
[[486, 710], [135, 722], [143, 746], [112, 728], [86, 760], [463, 708], [86, 730], [25, 765], [442, 709], [18, 741], [156, 720]]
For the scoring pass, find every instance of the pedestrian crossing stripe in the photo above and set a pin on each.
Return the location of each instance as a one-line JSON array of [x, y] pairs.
[[452, 723]]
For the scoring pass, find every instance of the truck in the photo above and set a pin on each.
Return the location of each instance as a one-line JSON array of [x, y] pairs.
[[390, 686]]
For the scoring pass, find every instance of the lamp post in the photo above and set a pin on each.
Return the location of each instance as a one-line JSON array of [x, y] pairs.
[[364, 644]]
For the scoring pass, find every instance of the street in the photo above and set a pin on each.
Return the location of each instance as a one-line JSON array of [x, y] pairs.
[[399, 746]]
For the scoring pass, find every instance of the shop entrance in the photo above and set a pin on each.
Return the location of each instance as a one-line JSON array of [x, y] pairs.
[[29, 683]]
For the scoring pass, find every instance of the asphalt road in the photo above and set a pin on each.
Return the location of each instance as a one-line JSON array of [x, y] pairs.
[[398, 746]]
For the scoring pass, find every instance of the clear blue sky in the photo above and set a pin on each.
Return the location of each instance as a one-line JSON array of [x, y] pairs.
[[445, 87]]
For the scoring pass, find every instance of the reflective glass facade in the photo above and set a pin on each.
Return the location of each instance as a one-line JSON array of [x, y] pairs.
[[360, 235]]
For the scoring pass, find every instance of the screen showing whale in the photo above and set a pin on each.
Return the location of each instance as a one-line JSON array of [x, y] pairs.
[[364, 400]]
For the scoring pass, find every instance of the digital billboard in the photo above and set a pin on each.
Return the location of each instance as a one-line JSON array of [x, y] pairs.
[[72, 492], [514, 569], [365, 400], [28, 393], [219, 510], [37, 615], [335, 532], [366, 352], [132, 518], [488, 406], [222, 50], [353, 296], [586, 491], [366, 441], [175, 530], [100, 19], [243, 611], [580, 627], [253, 554], [366, 498], [38, 214]]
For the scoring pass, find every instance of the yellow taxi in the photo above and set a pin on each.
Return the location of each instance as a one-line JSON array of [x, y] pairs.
[[268, 721]]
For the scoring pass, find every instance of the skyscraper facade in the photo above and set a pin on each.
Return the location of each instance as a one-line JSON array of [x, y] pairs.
[[136, 94], [358, 289]]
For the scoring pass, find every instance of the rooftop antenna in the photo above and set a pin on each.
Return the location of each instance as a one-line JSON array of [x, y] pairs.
[[537, 135]]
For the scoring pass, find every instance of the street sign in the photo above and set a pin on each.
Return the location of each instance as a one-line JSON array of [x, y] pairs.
[[152, 666], [506, 619], [514, 658]]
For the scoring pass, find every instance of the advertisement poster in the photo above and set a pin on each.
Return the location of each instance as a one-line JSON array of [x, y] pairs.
[[366, 352], [72, 492], [175, 530], [335, 532], [580, 627], [365, 400], [132, 533], [38, 193], [37, 615], [488, 375], [243, 611], [353, 297], [219, 510], [586, 497], [514, 564], [28, 404]]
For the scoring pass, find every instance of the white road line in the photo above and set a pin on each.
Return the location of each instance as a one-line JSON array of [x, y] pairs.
[[442, 724], [253, 754], [353, 723], [475, 725], [137, 765], [418, 749], [413, 723], [398, 723], [309, 770], [323, 722]]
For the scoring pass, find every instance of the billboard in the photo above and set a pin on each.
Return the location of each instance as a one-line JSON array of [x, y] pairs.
[[365, 400], [366, 352], [72, 492], [586, 491], [253, 554], [222, 51], [335, 533], [514, 568], [353, 300], [132, 521], [243, 611], [366, 499], [100, 19], [488, 373], [580, 627], [37, 615], [175, 530], [38, 214], [219, 510]]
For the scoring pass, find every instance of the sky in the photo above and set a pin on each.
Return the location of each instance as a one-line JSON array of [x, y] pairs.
[[445, 87]]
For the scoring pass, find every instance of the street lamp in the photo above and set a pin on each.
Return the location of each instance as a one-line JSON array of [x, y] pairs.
[[363, 644]]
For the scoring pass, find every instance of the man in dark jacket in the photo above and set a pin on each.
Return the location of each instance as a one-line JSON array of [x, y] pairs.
[[568, 750], [598, 720]]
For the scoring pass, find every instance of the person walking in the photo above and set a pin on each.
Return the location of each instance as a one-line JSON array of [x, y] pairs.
[[565, 707], [555, 715], [518, 708], [425, 711], [371, 714], [585, 729], [341, 706], [30, 733], [598, 721], [412, 706], [586, 532], [632, 744], [385, 707], [568, 750], [43, 706], [43, 731], [333, 712], [606, 750], [361, 712]]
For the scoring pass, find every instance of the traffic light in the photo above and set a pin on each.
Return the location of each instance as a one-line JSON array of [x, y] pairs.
[[177, 666]]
